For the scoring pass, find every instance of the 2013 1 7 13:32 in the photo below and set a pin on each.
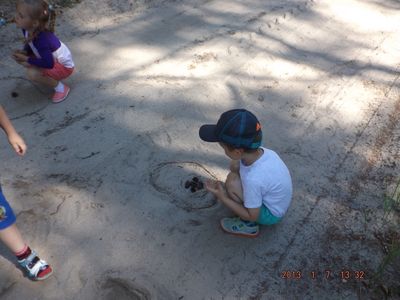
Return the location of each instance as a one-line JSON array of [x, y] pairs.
[[327, 274]]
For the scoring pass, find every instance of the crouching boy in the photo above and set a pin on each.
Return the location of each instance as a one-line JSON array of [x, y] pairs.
[[258, 188]]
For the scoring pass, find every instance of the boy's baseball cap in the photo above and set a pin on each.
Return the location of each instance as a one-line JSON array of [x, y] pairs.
[[237, 127]]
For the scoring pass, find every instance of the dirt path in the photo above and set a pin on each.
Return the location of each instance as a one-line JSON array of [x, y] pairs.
[[101, 193]]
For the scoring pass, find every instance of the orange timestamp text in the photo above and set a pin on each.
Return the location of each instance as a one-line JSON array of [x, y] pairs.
[[325, 274]]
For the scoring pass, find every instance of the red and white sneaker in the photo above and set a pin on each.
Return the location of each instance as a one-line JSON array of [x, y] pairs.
[[61, 96]]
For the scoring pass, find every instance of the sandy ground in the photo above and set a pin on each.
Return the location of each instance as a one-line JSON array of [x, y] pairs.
[[100, 192]]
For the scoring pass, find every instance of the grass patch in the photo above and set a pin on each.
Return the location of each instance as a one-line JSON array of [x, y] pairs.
[[392, 203], [386, 279]]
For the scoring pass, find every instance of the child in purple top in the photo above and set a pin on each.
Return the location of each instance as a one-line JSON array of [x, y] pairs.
[[45, 57]]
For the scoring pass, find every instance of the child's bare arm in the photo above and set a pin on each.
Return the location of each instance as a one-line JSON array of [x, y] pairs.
[[21, 57], [15, 140], [234, 166], [215, 187], [5, 123]]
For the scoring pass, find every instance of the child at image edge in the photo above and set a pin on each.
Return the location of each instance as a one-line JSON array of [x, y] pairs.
[[35, 268], [258, 188], [46, 59]]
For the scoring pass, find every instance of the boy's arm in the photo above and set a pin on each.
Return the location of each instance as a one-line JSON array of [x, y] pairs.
[[215, 187], [234, 166], [14, 138]]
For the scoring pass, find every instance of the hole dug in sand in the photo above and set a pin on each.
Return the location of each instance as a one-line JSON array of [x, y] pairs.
[[170, 178], [117, 288]]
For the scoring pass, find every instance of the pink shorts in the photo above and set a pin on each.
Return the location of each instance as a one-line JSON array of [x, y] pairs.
[[58, 72]]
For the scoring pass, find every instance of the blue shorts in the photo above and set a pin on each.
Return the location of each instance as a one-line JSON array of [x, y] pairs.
[[266, 217], [7, 217]]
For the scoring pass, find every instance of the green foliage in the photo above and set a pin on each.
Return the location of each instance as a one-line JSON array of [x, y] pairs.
[[391, 204], [393, 253]]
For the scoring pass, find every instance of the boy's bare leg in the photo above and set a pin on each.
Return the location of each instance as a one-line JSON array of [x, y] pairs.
[[233, 183], [12, 238], [233, 186], [35, 75], [234, 190]]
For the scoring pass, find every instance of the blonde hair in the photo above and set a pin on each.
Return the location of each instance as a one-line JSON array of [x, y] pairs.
[[41, 11]]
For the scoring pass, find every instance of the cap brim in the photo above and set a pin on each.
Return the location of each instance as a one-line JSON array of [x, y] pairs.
[[207, 133]]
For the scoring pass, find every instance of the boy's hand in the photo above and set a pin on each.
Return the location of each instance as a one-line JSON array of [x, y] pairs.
[[18, 143], [216, 188]]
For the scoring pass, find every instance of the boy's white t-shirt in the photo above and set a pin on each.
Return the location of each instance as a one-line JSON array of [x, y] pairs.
[[267, 181]]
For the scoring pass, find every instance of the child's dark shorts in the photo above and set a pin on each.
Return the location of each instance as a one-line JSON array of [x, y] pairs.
[[7, 217]]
